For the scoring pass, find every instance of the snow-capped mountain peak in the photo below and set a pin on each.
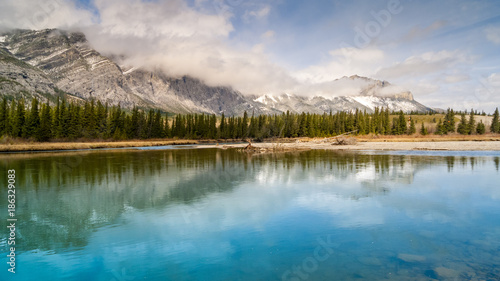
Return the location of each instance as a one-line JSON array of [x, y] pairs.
[[347, 94]]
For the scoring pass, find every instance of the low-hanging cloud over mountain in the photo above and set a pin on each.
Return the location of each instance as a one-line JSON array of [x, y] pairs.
[[168, 35]]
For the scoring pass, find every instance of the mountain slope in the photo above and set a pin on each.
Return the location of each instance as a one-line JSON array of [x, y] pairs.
[[66, 61]]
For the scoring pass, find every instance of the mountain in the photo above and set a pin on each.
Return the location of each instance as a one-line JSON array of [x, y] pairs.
[[320, 104], [47, 62], [363, 93], [54, 63]]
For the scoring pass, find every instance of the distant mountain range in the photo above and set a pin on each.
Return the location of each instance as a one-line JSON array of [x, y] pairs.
[[51, 63]]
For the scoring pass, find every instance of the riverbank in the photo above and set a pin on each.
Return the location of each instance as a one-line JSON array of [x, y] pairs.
[[430, 142], [52, 146], [372, 145]]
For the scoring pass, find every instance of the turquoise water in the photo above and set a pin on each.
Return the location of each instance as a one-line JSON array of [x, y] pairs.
[[209, 214]]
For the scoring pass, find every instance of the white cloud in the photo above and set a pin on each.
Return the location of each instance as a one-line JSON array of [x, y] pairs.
[[268, 34], [488, 90], [424, 64], [153, 19], [483, 93], [343, 61], [493, 34], [182, 40], [456, 78], [42, 14], [417, 32], [258, 14]]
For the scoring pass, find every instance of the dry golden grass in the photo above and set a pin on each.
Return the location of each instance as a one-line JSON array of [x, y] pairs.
[[435, 138], [411, 138], [44, 146]]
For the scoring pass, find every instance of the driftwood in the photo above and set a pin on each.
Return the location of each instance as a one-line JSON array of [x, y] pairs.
[[276, 148], [345, 141], [249, 146]]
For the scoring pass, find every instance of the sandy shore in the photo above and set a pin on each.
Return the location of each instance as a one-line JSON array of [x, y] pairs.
[[53, 146], [362, 145], [444, 145]]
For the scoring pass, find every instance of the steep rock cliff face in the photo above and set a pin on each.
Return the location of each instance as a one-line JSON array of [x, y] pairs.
[[72, 65], [18, 77], [187, 94]]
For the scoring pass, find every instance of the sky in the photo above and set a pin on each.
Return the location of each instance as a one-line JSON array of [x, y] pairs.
[[445, 52]]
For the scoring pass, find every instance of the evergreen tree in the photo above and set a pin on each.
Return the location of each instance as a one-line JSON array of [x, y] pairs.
[[74, 115], [253, 126], [386, 122], [495, 123], [462, 126], [481, 128], [101, 119], [20, 120], [423, 130], [471, 126], [212, 127], [412, 130], [44, 132], [143, 128], [222, 127], [449, 121], [303, 130], [244, 125], [231, 132], [33, 121], [148, 132], [56, 119], [395, 126], [92, 121], [311, 132], [63, 130], [116, 122], [371, 123], [12, 118], [403, 128], [359, 122], [167, 130], [4, 116], [439, 128], [89, 124], [262, 123], [157, 126]]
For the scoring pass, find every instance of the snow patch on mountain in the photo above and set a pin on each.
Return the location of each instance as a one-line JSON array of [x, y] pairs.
[[128, 71], [266, 99], [368, 101]]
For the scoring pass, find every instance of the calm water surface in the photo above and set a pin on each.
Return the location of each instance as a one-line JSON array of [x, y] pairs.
[[211, 214]]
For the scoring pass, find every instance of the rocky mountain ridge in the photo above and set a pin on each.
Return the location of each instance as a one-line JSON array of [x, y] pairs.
[[51, 63]]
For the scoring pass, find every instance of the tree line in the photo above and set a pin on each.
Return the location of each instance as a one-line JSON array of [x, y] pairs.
[[466, 126], [95, 120]]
